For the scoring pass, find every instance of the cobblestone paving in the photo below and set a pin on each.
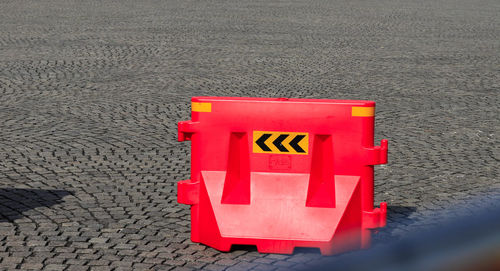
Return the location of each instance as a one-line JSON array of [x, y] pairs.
[[90, 93]]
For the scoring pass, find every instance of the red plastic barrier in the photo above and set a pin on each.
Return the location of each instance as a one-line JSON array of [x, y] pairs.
[[282, 173]]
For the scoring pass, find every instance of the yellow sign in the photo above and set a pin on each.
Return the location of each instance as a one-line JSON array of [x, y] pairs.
[[280, 142]]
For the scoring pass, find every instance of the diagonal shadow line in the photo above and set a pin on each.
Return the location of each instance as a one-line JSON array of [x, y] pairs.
[[15, 201]]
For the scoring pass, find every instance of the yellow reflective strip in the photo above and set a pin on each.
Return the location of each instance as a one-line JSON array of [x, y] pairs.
[[270, 144], [359, 111], [304, 143], [286, 143], [256, 136], [201, 107]]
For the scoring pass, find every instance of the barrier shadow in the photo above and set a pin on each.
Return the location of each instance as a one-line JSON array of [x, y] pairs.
[[15, 201], [397, 216]]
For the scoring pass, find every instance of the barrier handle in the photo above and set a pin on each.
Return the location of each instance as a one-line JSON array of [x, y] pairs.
[[188, 192], [376, 218], [384, 145], [186, 129], [377, 155]]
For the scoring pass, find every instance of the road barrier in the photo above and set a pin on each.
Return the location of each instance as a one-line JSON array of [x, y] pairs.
[[282, 173]]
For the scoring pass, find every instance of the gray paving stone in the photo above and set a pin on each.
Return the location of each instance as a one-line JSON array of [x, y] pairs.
[[54, 267], [32, 266]]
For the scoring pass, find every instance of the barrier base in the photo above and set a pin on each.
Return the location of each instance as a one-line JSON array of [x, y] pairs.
[[277, 222]]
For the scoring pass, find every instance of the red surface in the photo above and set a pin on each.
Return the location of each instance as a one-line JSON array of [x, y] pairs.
[[280, 201]]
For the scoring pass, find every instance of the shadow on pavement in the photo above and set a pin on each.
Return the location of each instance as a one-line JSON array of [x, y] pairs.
[[396, 216], [467, 242], [399, 212], [15, 201]]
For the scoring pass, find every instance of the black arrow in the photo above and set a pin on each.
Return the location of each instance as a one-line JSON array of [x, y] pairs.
[[277, 142], [261, 142], [294, 143]]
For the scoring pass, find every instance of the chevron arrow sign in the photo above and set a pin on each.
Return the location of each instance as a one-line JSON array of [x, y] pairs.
[[280, 142]]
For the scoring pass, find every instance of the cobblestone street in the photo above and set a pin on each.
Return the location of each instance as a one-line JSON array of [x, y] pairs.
[[91, 93]]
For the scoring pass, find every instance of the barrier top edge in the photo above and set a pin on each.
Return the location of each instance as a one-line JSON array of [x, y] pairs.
[[280, 100]]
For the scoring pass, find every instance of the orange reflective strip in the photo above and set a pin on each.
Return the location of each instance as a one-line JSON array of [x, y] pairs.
[[201, 107], [359, 111]]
